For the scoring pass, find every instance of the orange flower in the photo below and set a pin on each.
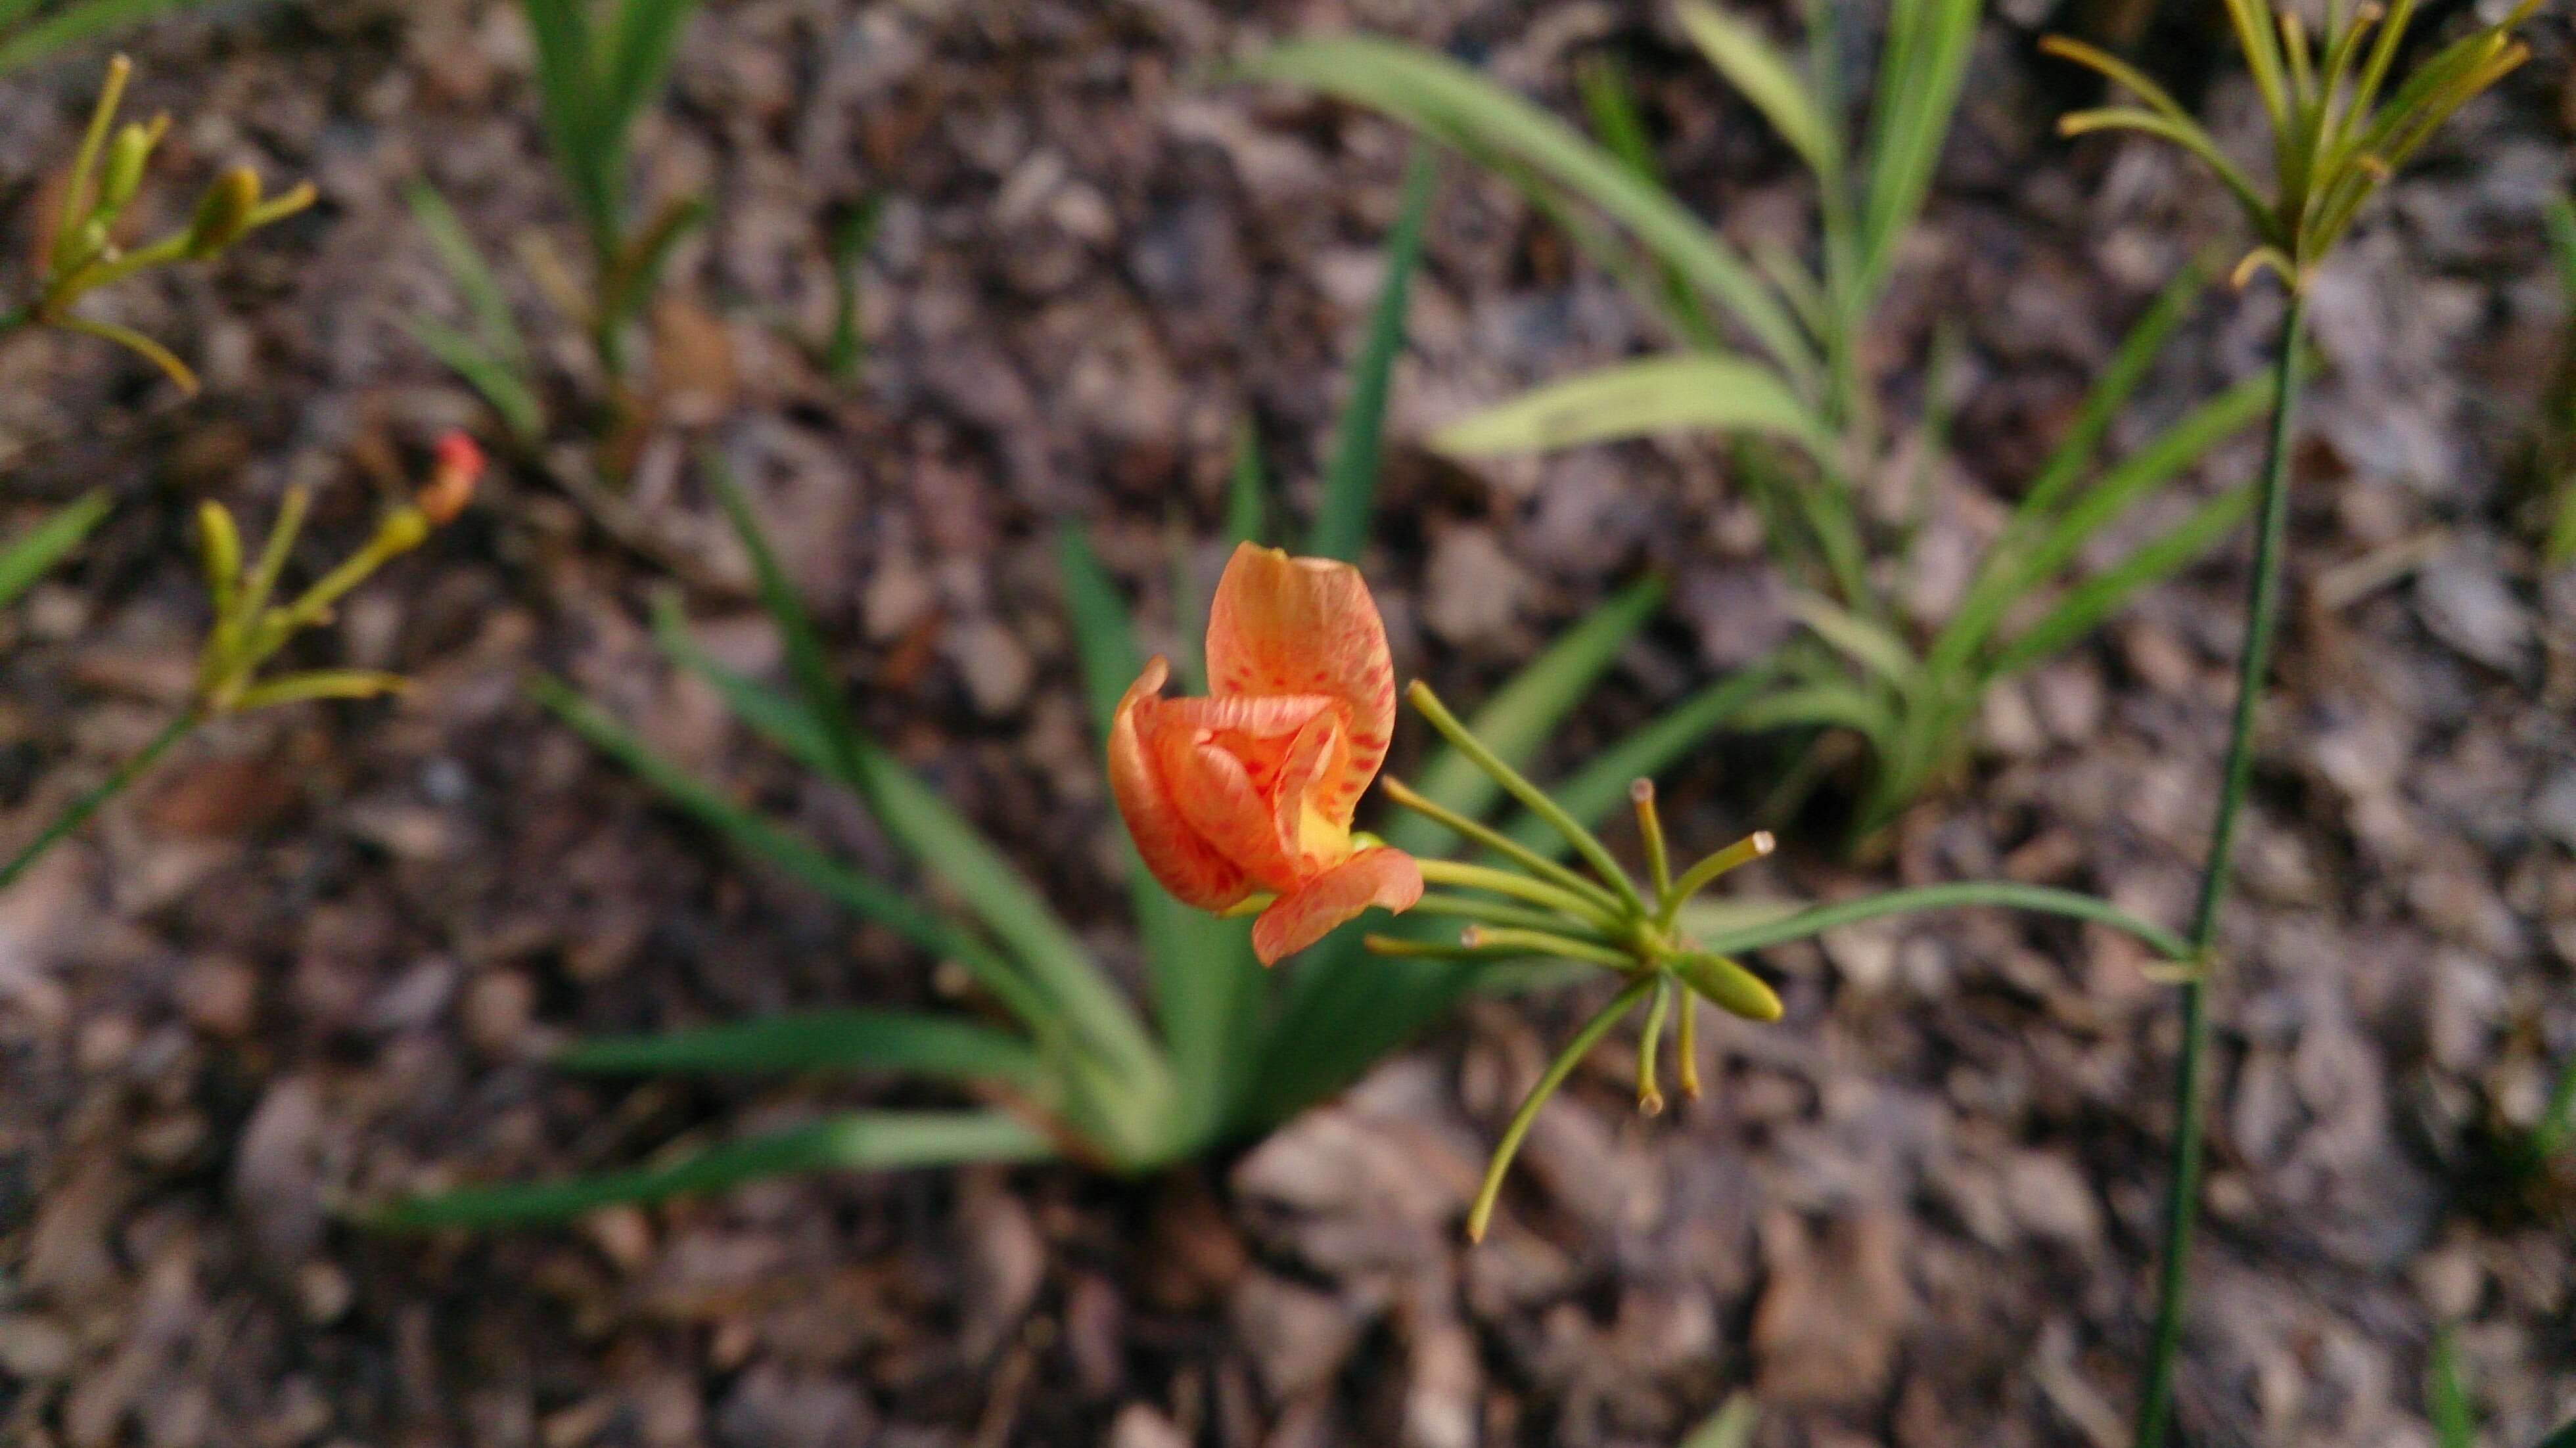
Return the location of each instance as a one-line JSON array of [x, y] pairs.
[[1252, 790]]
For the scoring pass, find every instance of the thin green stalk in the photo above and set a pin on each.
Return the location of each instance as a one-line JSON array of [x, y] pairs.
[[1519, 887], [1487, 912], [1531, 796], [1998, 893], [1496, 841], [1650, 1090], [1480, 1215], [78, 812], [1698, 877], [2191, 1073], [1545, 942]]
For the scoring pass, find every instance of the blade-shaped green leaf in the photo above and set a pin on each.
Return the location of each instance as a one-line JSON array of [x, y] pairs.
[[1446, 99], [641, 41], [1210, 993], [494, 323], [1681, 393], [1863, 642], [1769, 81], [2088, 603], [1610, 104], [860, 1141], [1929, 42], [883, 903], [568, 91], [940, 839], [1350, 484], [74, 24], [844, 1040], [504, 390], [25, 559]]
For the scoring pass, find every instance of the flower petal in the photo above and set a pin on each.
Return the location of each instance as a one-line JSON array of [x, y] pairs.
[[1282, 625], [1381, 877], [1191, 868]]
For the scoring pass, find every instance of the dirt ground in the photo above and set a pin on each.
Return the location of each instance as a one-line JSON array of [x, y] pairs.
[[320, 957]]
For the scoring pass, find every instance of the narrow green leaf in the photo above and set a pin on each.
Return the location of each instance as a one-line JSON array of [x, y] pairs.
[[1350, 484], [643, 37], [494, 323], [845, 1040], [568, 90], [1730, 1426], [1856, 638], [2096, 598], [940, 839], [885, 904], [1679, 393], [1446, 99], [1210, 993], [1769, 81], [1919, 82], [74, 24], [2446, 1396], [31, 556], [1610, 104], [860, 1141], [511, 396]]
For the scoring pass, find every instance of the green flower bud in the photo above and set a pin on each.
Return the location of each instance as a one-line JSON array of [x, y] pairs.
[[223, 213], [123, 174]]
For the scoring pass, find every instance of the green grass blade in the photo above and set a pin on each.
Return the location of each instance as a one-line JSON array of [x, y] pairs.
[[2446, 1396], [73, 25], [25, 559], [1610, 104], [1247, 492], [1210, 993], [1350, 484], [642, 38], [494, 322], [1731, 1426], [2088, 603], [510, 396], [941, 840], [1680, 393], [1453, 103], [1867, 644], [568, 93], [845, 1040], [860, 1141], [1766, 78], [793, 856], [1929, 43]]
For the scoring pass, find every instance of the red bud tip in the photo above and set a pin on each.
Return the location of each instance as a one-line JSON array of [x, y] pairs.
[[452, 479]]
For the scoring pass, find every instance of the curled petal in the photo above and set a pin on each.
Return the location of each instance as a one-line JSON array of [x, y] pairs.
[[1282, 625], [1178, 856], [1382, 877]]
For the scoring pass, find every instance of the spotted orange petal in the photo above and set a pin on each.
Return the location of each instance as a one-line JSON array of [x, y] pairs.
[[1282, 625], [1191, 868], [1381, 877]]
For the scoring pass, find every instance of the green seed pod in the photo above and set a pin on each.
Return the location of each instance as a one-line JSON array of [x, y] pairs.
[[1727, 986], [223, 213], [122, 176]]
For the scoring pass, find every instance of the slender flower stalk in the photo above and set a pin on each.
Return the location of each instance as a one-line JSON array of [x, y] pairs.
[[247, 629], [2340, 129]]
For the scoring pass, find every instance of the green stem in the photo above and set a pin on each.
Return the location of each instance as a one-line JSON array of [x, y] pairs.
[[1498, 842], [1532, 798], [1480, 1215], [1487, 912], [1519, 887], [1943, 897], [1700, 876], [1546, 942], [78, 812], [1650, 1090], [2191, 1072]]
